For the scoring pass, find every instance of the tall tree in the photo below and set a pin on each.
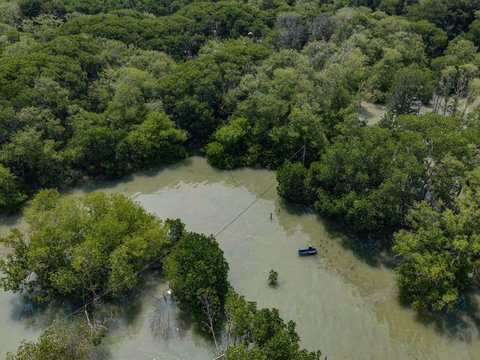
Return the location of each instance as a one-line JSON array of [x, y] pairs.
[[81, 247], [198, 272], [441, 252]]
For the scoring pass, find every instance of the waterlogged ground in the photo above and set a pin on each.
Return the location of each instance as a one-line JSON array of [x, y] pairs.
[[372, 113], [343, 300]]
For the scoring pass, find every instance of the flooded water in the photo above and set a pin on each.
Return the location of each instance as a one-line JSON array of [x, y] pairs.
[[371, 113], [343, 301]]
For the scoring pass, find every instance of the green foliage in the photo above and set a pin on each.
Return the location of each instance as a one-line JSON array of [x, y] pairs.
[[92, 147], [102, 88], [11, 192], [434, 38], [372, 176], [229, 141], [276, 113], [192, 93], [254, 81], [68, 109], [272, 278], [128, 105], [440, 252], [358, 179], [181, 34], [67, 342], [176, 229], [265, 333], [176, 35], [155, 140], [62, 7], [242, 352], [10, 13], [412, 87], [226, 19], [33, 159], [80, 247], [454, 16], [474, 33], [30, 8], [198, 272], [291, 182]]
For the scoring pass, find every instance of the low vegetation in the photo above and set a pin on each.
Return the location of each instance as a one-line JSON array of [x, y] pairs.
[[273, 278]]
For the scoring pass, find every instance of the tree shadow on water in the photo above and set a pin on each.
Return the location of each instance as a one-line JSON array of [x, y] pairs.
[[10, 220], [375, 250], [88, 184], [155, 169], [33, 315], [147, 308], [152, 304], [461, 324]]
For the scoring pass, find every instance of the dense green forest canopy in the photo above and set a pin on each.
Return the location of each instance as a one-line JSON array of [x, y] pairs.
[[100, 88], [81, 247]]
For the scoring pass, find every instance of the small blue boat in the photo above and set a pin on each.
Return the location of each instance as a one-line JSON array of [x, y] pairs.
[[308, 251]]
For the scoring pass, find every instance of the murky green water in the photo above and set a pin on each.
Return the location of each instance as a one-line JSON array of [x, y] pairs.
[[342, 304]]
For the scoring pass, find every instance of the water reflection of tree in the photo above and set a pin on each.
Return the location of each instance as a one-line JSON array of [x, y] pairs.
[[373, 250], [167, 320], [462, 324]]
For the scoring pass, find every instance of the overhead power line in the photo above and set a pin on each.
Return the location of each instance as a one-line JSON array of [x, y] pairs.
[[108, 291]]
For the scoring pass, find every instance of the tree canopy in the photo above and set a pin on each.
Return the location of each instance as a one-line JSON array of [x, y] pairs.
[[198, 275], [92, 88], [81, 247], [103, 88], [261, 333], [442, 251]]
